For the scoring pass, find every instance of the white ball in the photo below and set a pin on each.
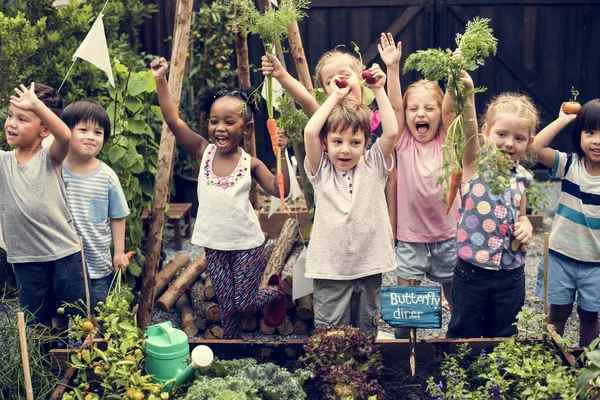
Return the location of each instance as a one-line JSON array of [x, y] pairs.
[[202, 356]]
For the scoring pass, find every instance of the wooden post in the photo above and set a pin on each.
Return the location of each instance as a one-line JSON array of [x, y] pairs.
[[546, 254], [412, 336], [243, 73], [181, 35], [297, 51], [24, 354]]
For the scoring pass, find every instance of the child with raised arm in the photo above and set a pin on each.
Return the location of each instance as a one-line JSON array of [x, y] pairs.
[[488, 289], [94, 194], [349, 68], [226, 224], [426, 230], [574, 258], [351, 242], [37, 226]]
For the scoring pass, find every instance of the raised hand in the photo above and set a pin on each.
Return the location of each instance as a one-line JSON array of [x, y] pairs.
[[25, 99], [159, 67], [271, 65], [283, 139], [564, 115], [389, 51]]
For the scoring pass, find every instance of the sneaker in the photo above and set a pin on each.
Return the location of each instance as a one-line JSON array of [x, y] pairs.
[[274, 313]]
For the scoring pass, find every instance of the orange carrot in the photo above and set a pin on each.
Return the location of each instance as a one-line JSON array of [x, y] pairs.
[[272, 128], [279, 179], [455, 179], [130, 254]]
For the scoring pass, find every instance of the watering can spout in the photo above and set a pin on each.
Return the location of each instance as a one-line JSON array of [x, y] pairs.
[[202, 356]]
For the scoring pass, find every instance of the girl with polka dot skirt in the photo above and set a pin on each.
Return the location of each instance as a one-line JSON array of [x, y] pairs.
[[489, 278], [574, 258], [226, 225]]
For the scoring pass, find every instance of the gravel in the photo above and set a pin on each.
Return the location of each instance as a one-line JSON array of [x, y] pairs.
[[535, 253]]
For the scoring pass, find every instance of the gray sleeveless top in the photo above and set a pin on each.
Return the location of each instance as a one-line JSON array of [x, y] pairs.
[[35, 220]]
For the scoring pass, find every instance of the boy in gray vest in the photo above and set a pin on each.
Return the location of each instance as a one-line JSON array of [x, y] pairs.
[[41, 242]]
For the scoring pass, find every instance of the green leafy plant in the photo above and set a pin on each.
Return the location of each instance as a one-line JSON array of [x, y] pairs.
[[477, 43], [346, 363], [588, 383], [538, 197], [114, 371], [515, 369], [246, 379], [291, 119], [12, 381]]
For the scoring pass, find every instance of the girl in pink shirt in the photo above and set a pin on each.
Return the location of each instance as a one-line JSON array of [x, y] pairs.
[[425, 233]]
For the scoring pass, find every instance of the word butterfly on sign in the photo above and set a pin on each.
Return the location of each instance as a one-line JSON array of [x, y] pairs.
[[412, 306]]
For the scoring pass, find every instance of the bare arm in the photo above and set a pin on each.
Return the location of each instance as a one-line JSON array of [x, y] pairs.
[[27, 100], [447, 111], [312, 143], [389, 122], [190, 141], [391, 54], [117, 227], [391, 195], [542, 140], [265, 178], [471, 130], [271, 65]]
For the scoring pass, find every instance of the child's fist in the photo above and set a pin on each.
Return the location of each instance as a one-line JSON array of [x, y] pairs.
[[271, 65], [120, 262], [339, 86], [523, 231], [159, 67], [283, 138], [563, 114], [374, 76]]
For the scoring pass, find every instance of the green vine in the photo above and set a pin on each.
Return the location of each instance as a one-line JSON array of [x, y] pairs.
[[476, 44]]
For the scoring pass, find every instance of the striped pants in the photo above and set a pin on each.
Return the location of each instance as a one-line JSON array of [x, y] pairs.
[[236, 275]]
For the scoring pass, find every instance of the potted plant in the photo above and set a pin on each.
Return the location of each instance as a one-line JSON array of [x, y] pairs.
[[538, 201]]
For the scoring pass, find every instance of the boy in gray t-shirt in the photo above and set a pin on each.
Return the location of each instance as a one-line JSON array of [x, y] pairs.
[[94, 194], [41, 242]]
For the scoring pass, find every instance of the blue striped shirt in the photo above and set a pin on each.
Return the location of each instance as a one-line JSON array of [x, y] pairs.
[[93, 200], [576, 227]]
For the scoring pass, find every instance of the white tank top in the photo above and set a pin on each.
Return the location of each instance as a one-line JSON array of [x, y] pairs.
[[226, 219]]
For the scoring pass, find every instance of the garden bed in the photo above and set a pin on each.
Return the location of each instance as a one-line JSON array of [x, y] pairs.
[[395, 379]]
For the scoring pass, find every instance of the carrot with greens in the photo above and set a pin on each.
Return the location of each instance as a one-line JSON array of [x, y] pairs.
[[455, 179], [272, 128]]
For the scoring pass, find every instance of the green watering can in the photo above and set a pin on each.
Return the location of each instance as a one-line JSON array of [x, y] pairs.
[[166, 349]]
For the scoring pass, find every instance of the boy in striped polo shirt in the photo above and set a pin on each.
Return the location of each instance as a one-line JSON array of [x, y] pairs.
[[94, 194]]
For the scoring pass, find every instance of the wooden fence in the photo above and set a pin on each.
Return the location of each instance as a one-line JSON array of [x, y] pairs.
[[545, 46]]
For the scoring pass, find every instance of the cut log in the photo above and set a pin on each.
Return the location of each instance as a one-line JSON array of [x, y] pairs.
[[249, 323], [188, 325], [282, 250], [286, 328], [287, 274], [300, 327], [265, 329], [214, 332], [268, 251], [209, 289], [166, 275], [304, 308], [211, 311], [182, 283], [200, 322], [196, 292]]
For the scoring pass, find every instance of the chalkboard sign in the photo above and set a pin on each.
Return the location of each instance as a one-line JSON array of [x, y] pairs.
[[412, 306]]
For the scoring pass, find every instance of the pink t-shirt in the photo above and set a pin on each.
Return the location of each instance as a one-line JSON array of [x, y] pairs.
[[421, 210]]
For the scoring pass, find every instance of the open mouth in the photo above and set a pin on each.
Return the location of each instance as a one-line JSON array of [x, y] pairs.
[[422, 127], [11, 134], [344, 159], [222, 140], [596, 152]]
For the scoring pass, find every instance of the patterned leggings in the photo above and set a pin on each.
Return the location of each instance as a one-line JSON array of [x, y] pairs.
[[236, 275]]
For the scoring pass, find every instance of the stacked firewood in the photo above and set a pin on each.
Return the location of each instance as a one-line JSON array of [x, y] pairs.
[[184, 284]]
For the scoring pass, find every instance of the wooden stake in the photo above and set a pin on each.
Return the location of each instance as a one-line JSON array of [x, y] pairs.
[[412, 336], [181, 35], [243, 73], [85, 282], [546, 255], [24, 354]]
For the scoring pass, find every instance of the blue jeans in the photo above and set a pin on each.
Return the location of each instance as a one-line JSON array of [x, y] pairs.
[[101, 286], [43, 286], [486, 302]]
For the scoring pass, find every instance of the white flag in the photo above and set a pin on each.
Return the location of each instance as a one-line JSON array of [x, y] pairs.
[[94, 49]]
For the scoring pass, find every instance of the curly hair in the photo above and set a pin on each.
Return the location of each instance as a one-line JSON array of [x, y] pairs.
[[209, 95]]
